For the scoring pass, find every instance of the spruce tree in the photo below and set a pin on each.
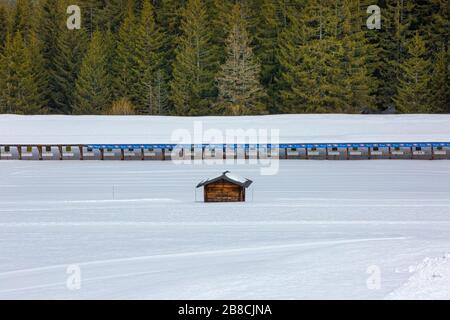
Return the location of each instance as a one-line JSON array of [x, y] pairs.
[[440, 82], [290, 39], [125, 61], [266, 45], [311, 69], [113, 13], [413, 95], [51, 18], [93, 15], [70, 49], [357, 84], [168, 18], [18, 87], [22, 20], [240, 91], [3, 27], [150, 87], [192, 87], [38, 69], [219, 12], [92, 94], [391, 43]]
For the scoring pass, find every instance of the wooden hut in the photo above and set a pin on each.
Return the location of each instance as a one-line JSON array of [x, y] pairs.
[[225, 188]]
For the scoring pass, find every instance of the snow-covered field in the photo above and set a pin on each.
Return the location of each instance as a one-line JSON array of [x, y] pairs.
[[134, 230], [305, 128]]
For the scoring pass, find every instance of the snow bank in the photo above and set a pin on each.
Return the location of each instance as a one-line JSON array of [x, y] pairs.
[[431, 280], [157, 129]]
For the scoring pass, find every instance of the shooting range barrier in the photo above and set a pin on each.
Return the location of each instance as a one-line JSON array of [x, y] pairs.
[[441, 151], [9, 153], [379, 151], [29, 153], [336, 152], [350, 151], [50, 152], [400, 151], [317, 152], [213, 151], [357, 152], [70, 152]]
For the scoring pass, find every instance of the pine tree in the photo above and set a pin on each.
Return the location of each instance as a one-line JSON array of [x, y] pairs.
[[391, 43], [113, 14], [92, 93], [358, 84], [440, 84], [39, 73], [413, 95], [93, 15], [192, 87], [3, 27], [290, 39], [18, 88], [125, 64], [70, 50], [168, 18], [150, 88], [267, 34], [51, 20], [22, 20], [219, 12], [432, 20], [311, 72], [240, 91]]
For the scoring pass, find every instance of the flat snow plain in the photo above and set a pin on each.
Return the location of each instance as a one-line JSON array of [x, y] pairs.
[[312, 231], [304, 128]]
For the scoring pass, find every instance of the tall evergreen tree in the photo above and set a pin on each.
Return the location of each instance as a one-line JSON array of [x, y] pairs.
[[440, 82], [219, 11], [311, 69], [93, 15], [267, 34], [413, 95], [240, 91], [432, 19], [18, 87], [150, 89], [92, 94], [168, 18], [357, 84], [113, 13], [22, 20], [391, 43], [51, 18], [290, 39], [3, 27], [125, 63], [71, 47], [192, 87]]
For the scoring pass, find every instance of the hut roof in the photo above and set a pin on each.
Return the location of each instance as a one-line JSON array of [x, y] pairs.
[[243, 182]]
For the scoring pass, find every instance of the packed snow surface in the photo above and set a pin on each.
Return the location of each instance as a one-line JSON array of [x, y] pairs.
[[430, 280], [154, 130], [317, 229]]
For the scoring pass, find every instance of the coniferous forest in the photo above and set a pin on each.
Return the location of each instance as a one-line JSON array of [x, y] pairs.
[[219, 57]]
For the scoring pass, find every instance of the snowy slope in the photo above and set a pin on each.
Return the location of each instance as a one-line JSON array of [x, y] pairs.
[[293, 128], [430, 280], [135, 231]]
